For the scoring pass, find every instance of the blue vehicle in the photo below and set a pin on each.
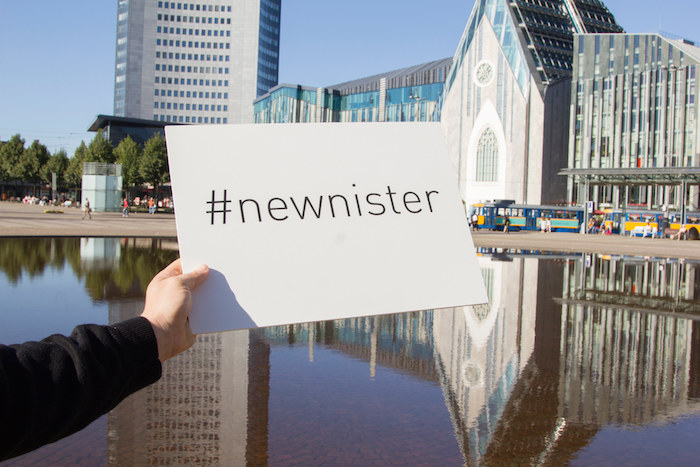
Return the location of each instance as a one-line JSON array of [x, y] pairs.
[[528, 217]]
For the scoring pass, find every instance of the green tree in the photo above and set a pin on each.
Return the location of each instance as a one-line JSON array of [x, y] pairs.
[[32, 160], [154, 163], [3, 175], [10, 155], [129, 154], [100, 149], [74, 172], [58, 164]]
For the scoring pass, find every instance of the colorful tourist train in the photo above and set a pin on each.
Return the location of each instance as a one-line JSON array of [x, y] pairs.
[[631, 221]]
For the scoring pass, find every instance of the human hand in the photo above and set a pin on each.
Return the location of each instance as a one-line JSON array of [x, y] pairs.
[[168, 305]]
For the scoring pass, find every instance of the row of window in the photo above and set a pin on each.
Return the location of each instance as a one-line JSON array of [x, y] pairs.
[[262, 61], [193, 32], [191, 94], [601, 18], [195, 107], [272, 42], [267, 76], [188, 119], [191, 45], [192, 6], [194, 19], [266, 28], [270, 18], [202, 45], [190, 81], [207, 58], [200, 57], [190, 69]]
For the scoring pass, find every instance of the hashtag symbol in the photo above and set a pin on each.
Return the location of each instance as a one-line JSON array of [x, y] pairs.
[[221, 204]]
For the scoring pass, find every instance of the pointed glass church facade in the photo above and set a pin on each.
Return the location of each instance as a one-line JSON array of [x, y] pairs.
[[505, 109]]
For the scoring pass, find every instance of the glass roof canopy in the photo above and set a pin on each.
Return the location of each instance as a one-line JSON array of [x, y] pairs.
[[634, 176]]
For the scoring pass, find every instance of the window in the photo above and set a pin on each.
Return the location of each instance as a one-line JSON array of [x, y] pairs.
[[487, 157]]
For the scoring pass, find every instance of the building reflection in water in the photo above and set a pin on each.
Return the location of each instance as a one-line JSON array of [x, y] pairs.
[[627, 331], [100, 252], [198, 412], [568, 344]]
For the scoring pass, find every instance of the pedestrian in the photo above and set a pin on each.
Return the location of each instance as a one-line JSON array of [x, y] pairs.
[[125, 210], [86, 209], [475, 221], [506, 224], [151, 206]]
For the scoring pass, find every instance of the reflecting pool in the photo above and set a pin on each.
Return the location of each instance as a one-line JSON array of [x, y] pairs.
[[577, 359]]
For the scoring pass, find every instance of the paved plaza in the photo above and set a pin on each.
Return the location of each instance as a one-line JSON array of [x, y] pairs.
[[23, 220], [31, 220]]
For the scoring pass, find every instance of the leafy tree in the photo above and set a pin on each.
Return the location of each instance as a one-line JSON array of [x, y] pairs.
[[129, 154], [3, 175], [74, 172], [100, 149], [58, 164], [154, 163], [31, 161], [10, 155]]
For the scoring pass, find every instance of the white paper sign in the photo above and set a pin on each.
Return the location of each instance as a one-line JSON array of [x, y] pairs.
[[311, 222]]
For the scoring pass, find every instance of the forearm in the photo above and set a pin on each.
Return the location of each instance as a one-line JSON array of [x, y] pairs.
[[53, 388]]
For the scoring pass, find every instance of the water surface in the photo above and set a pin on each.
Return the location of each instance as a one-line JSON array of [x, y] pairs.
[[578, 359]]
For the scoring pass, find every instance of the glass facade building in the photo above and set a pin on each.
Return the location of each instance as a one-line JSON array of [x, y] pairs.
[[202, 62], [507, 95], [268, 45], [410, 94], [635, 108]]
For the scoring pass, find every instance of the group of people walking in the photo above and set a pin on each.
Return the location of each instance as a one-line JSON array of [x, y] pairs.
[[87, 210]]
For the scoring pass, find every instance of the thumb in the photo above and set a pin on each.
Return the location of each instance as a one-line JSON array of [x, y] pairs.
[[194, 278]]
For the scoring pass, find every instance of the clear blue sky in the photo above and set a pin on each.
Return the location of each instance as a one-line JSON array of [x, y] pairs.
[[57, 57]]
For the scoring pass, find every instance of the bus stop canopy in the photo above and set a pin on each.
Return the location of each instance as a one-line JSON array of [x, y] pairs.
[[636, 176]]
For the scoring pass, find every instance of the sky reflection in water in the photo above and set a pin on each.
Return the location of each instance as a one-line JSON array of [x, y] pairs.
[[578, 359]]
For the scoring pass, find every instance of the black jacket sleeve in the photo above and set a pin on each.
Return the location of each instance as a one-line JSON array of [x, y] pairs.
[[53, 388]]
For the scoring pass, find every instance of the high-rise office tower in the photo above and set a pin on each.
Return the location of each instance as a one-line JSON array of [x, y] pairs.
[[199, 62]]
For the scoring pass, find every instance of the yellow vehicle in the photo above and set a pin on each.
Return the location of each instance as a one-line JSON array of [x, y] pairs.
[[643, 223]]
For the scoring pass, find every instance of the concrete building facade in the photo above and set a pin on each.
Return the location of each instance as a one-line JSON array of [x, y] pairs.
[[635, 126], [202, 62]]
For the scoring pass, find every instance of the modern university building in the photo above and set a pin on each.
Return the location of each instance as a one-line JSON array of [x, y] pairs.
[[544, 101], [506, 105], [412, 94], [203, 61], [503, 99], [634, 133]]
